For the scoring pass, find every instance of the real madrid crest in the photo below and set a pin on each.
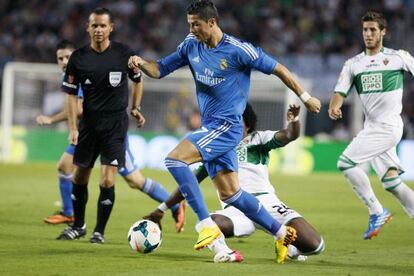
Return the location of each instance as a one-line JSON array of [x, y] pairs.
[[223, 64], [385, 61]]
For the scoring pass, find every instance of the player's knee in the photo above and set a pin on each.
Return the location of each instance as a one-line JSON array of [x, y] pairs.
[[64, 168], [225, 225], [344, 163], [391, 180], [107, 181]]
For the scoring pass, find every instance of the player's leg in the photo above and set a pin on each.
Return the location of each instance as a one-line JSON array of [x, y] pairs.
[[309, 241], [388, 168], [153, 189], [105, 203], [79, 200], [368, 144], [84, 158], [177, 162], [227, 185], [65, 170]]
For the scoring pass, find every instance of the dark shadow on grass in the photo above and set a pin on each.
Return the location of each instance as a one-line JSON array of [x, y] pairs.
[[172, 256]]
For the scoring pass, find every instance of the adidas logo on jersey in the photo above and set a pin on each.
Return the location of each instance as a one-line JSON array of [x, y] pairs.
[[196, 59], [88, 81], [114, 162]]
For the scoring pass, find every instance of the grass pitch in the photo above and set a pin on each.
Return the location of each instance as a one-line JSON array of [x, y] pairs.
[[28, 246]]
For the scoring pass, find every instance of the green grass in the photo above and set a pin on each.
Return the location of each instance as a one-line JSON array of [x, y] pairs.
[[28, 246]]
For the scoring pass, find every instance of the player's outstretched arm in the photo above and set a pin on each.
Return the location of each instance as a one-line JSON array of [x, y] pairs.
[[292, 131], [335, 105], [311, 103], [48, 120], [150, 68]]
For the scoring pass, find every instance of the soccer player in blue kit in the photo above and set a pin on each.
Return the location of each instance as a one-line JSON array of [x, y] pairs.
[[221, 67]]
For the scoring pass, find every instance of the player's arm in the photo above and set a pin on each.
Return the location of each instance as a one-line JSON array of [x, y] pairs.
[[56, 118], [311, 103], [335, 105], [72, 107], [137, 92], [150, 68], [342, 88], [292, 131], [175, 197]]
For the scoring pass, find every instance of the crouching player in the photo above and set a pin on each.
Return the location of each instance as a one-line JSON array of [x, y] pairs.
[[253, 156]]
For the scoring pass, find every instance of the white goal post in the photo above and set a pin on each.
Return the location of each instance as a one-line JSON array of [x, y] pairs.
[[25, 85]]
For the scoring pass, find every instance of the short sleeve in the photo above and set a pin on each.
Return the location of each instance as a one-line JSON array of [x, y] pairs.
[[133, 74], [176, 59], [345, 80], [70, 84], [408, 61], [253, 57], [269, 141]]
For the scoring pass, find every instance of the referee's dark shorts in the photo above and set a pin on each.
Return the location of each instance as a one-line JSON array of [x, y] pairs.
[[101, 134]]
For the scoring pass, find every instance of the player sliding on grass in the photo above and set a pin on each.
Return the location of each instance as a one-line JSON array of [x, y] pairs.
[[129, 172], [377, 74], [253, 156], [221, 67]]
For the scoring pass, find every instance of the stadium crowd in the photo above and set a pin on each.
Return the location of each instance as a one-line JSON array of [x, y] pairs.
[[313, 37]]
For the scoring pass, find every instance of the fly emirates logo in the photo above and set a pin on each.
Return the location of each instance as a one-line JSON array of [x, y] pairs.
[[208, 78]]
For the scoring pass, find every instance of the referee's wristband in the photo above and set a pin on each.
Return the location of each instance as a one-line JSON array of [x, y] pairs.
[[304, 97]]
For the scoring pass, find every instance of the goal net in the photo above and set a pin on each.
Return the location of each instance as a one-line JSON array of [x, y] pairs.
[[30, 89]]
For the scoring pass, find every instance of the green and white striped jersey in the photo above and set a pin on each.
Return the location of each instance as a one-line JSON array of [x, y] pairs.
[[253, 156], [378, 79]]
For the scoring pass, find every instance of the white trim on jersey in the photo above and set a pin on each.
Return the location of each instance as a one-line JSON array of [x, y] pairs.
[[247, 48]]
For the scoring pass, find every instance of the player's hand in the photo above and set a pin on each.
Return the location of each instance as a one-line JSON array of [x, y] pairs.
[[335, 113], [137, 114], [293, 112], [135, 62], [43, 120], [73, 137], [313, 105], [155, 216]]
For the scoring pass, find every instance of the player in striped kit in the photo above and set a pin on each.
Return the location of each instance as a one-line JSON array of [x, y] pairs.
[[377, 74]]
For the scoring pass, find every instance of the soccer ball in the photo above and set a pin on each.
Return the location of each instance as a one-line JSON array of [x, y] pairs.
[[144, 236]]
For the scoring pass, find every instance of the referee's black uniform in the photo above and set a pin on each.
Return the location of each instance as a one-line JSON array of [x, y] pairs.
[[104, 123]]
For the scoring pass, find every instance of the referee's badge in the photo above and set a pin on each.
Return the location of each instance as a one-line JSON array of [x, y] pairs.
[[115, 78]]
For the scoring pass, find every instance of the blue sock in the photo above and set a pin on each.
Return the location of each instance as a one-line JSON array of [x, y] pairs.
[[65, 187], [157, 192], [254, 210], [188, 185]]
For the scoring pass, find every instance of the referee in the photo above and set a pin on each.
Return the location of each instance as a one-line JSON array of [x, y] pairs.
[[101, 69]]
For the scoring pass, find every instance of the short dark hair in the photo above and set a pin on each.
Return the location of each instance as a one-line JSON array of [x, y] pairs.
[[102, 11], [205, 9], [65, 44], [376, 17], [250, 118]]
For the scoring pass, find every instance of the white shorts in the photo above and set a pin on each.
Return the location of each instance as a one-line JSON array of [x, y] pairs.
[[243, 226], [376, 143]]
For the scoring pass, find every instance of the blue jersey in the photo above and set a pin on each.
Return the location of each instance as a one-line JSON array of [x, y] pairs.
[[221, 74]]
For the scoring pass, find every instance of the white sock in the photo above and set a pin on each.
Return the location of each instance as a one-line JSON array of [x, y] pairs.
[[293, 252], [406, 197], [281, 233], [207, 222], [361, 185], [219, 245]]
